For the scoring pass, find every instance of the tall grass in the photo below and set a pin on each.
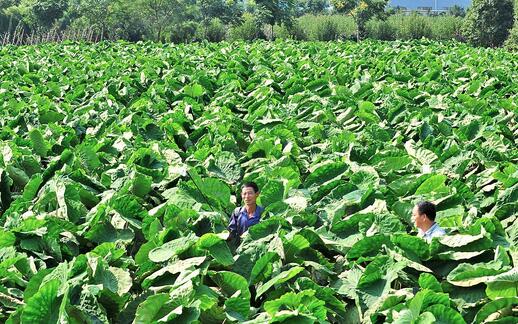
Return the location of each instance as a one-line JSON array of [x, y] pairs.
[[415, 26]]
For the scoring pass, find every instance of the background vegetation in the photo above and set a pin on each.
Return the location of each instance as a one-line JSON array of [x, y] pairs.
[[488, 23]]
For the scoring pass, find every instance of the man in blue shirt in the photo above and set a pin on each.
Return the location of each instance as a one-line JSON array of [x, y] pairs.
[[423, 215], [249, 214]]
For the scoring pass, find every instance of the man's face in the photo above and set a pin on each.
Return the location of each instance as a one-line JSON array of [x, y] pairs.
[[417, 218], [249, 195]]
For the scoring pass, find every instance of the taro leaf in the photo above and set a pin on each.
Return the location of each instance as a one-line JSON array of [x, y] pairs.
[[466, 275], [324, 293], [278, 279], [237, 308], [434, 184], [325, 173], [263, 267], [503, 285], [194, 90], [39, 146], [152, 309], [445, 315], [272, 192], [225, 166], [428, 281], [171, 248], [303, 302], [6, 239], [44, 306], [141, 184], [230, 283], [496, 309], [217, 248], [368, 246]]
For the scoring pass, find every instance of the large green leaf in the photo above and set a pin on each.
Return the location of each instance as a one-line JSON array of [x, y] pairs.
[[44, 306]]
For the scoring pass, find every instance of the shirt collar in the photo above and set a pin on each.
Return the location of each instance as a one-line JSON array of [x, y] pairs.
[[431, 229], [257, 213]]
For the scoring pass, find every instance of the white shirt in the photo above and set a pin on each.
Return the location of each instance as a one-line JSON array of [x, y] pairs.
[[434, 231]]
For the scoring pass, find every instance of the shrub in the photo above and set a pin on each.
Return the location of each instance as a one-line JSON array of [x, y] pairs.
[[414, 27], [327, 31], [311, 25], [488, 22], [446, 27], [185, 32], [215, 31], [381, 29], [247, 30]]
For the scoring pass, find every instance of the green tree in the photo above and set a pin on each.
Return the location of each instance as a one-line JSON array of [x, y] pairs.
[[273, 12], [163, 15], [227, 11], [313, 7], [90, 14], [456, 11], [37, 13], [488, 22], [362, 11]]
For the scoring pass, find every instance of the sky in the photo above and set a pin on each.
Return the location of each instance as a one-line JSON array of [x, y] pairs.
[[413, 4]]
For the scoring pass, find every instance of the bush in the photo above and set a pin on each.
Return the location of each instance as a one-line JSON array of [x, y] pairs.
[[446, 27], [290, 32], [215, 31], [311, 25], [247, 30], [488, 22], [381, 29], [327, 31], [185, 32], [413, 27]]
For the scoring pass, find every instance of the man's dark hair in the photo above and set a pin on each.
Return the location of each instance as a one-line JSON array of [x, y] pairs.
[[427, 208], [252, 185]]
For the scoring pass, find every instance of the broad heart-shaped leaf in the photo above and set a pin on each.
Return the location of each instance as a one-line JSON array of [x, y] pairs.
[[445, 315], [503, 285], [39, 146], [434, 184], [6, 239], [263, 267], [303, 302], [230, 283], [467, 275], [325, 294], [225, 166], [237, 308], [497, 307], [428, 281], [171, 248], [325, 173], [217, 248], [44, 306], [413, 245], [194, 90], [278, 279], [368, 246], [272, 191], [152, 309]]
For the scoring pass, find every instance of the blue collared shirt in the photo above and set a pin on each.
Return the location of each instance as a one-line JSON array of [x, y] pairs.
[[243, 219], [434, 231]]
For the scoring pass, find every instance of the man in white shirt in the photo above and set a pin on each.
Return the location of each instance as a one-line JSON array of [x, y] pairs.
[[423, 216]]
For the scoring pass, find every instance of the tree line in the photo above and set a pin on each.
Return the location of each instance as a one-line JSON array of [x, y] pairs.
[[487, 22]]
